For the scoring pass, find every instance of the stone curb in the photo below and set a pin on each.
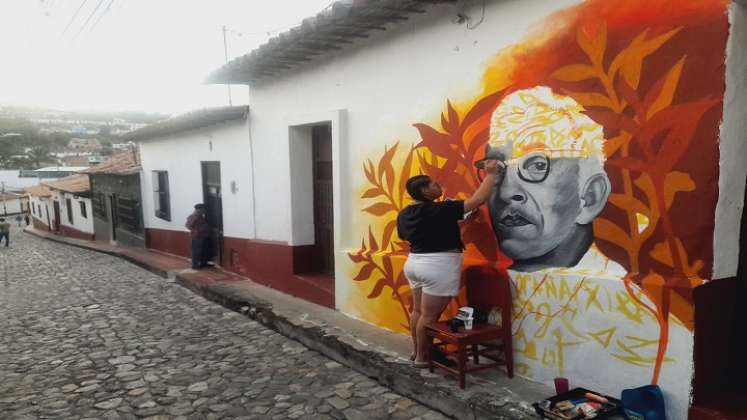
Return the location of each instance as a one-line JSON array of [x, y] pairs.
[[397, 376]]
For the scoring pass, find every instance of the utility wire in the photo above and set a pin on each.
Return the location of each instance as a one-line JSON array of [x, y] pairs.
[[98, 6], [75, 15]]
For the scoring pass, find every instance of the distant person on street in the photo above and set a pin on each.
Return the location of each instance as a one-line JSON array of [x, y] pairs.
[[19, 219], [26, 218], [200, 231], [4, 231]]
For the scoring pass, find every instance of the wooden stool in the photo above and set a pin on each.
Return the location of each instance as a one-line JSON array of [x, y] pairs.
[[468, 343]]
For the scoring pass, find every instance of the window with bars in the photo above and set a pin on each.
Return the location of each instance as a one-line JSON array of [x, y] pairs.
[[83, 211], [69, 205], [161, 195]]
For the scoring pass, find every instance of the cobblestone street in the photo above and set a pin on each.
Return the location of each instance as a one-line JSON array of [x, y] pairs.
[[87, 335]]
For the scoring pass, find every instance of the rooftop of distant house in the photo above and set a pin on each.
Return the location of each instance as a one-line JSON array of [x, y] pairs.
[[62, 169], [122, 163], [40, 190], [336, 27], [187, 122], [75, 184]]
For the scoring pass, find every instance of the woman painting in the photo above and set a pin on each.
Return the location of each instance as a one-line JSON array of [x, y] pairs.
[[434, 265]]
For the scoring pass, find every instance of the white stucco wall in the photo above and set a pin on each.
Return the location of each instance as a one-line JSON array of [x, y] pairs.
[[11, 206], [733, 149], [42, 205], [80, 223], [373, 88], [181, 155]]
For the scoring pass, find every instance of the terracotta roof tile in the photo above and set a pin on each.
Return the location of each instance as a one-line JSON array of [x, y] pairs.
[[40, 190], [123, 163], [73, 184]]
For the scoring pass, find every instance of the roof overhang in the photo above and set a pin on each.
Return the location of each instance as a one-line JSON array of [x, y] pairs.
[[187, 122], [332, 29]]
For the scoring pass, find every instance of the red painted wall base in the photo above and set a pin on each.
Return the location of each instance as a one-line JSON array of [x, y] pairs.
[[75, 233], [273, 264]]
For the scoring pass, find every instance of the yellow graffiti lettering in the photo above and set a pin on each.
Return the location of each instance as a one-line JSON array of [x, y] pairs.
[[550, 290], [549, 358], [604, 337], [591, 298], [524, 346], [565, 291], [543, 312], [628, 308], [523, 369]]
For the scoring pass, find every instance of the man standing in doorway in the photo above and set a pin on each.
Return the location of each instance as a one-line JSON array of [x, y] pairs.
[[4, 231], [200, 231]]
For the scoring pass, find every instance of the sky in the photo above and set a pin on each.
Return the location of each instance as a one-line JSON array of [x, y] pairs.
[[132, 55]]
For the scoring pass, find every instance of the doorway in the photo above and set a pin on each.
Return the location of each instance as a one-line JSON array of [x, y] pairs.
[[57, 218], [114, 216], [321, 137], [211, 197]]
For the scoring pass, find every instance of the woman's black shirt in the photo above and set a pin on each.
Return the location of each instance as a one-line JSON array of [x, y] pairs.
[[431, 226]]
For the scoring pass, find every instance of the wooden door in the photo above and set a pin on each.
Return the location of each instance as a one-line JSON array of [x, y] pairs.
[[211, 192], [321, 137], [57, 219]]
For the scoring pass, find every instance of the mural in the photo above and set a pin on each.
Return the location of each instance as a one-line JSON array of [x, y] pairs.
[[604, 221]]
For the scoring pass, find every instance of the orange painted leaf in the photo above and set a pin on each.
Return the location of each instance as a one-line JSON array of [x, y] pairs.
[[388, 230], [662, 93], [595, 44], [590, 99], [405, 175], [372, 244], [675, 182], [631, 164], [613, 120], [437, 143], [678, 123], [372, 192], [365, 273], [379, 209], [626, 202], [614, 144], [574, 73], [630, 60], [377, 289], [453, 126], [646, 184], [368, 169], [662, 253], [631, 97], [388, 270], [608, 231], [356, 257], [385, 165], [484, 106]]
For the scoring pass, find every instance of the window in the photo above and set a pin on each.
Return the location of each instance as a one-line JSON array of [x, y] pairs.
[[83, 212], [69, 204], [161, 195]]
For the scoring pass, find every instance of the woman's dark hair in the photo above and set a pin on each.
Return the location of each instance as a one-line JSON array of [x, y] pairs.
[[415, 186]]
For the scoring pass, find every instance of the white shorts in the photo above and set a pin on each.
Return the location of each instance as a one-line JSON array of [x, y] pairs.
[[437, 273]]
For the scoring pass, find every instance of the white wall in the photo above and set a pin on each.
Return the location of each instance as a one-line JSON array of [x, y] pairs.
[[181, 155], [379, 84], [80, 223], [11, 206], [42, 204], [733, 150]]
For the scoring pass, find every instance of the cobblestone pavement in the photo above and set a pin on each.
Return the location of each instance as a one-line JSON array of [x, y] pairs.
[[87, 335]]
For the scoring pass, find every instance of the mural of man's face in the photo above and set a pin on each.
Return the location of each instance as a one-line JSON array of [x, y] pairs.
[[538, 208]]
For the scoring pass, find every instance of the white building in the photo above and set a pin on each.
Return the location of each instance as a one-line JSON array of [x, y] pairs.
[[70, 202], [42, 209], [13, 203]]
